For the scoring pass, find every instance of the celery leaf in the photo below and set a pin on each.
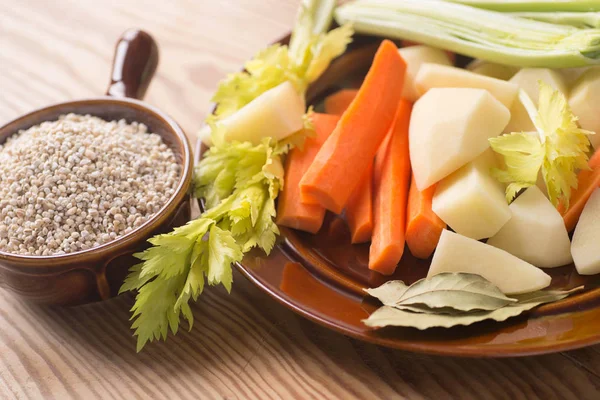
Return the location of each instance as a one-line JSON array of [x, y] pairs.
[[179, 264], [559, 150], [300, 65]]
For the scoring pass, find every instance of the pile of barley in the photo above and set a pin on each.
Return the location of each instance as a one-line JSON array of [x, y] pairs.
[[80, 182]]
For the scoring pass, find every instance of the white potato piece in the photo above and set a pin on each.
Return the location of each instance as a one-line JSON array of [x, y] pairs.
[[450, 127], [432, 76], [519, 119], [470, 201], [585, 102], [536, 232], [204, 135], [585, 248], [415, 56], [570, 75], [457, 253], [493, 70], [277, 113], [527, 79]]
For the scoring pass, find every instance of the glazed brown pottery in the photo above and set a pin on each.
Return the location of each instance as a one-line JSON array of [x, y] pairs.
[[97, 274], [322, 276]]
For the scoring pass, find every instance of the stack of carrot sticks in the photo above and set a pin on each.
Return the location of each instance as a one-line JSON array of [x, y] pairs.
[[359, 162]]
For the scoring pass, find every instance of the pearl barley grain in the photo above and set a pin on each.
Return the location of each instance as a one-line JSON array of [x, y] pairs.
[[64, 184]]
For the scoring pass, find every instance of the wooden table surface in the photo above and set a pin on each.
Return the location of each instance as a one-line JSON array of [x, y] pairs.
[[243, 345]]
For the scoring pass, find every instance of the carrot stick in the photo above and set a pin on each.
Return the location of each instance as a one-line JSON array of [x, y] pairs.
[[424, 227], [587, 182], [359, 210], [391, 195], [338, 102], [380, 157], [358, 134], [359, 206], [595, 159], [291, 212]]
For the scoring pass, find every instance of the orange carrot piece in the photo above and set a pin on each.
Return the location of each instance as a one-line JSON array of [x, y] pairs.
[[358, 134], [380, 157], [362, 232], [291, 212], [587, 182], [595, 159], [424, 227], [359, 210], [391, 196], [338, 102]]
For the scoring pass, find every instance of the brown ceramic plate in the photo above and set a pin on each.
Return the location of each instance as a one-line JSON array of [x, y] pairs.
[[321, 277]]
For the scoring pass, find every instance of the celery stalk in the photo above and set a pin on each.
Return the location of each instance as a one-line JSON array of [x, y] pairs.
[[533, 5], [483, 34], [576, 19], [314, 18]]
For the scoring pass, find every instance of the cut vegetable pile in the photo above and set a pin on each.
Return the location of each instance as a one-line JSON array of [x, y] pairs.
[[484, 170]]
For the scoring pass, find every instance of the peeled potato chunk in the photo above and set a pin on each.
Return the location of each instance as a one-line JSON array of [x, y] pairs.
[[520, 121], [277, 113], [493, 70], [457, 253], [585, 103], [432, 76], [527, 79], [570, 75], [470, 201], [586, 238], [415, 56], [536, 232], [450, 127]]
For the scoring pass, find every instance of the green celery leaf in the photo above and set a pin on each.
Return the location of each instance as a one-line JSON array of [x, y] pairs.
[[153, 310], [566, 144], [176, 268], [194, 284], [311, 55], [326, 48], [223, 252], [168, 256], [134, 280], [559, 150]]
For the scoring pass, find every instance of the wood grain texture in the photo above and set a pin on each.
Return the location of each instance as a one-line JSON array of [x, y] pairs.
[[243, 345]]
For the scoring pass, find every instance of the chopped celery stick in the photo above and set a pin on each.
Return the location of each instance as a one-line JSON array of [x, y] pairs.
[[533, 5], [483, 34], [576, 19]]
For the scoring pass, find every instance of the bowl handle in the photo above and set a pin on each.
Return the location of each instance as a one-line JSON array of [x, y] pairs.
[[134, 64]]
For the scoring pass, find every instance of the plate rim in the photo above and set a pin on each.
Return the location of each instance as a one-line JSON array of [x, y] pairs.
[[469, 351]]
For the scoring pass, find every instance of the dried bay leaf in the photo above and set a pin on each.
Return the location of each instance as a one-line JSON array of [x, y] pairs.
[[450, 299], [545, 296], [391, 316], [389, 293], [421, 308], [459, 291]]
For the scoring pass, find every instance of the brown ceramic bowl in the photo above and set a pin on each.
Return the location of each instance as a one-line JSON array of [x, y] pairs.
[[322, 276], [97, 274]]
